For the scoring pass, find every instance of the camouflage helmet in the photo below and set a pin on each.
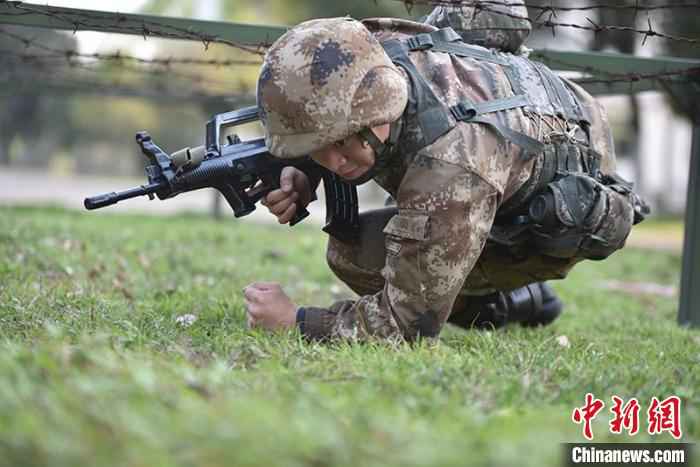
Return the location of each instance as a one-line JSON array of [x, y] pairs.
[[323, 81], [497, 26]]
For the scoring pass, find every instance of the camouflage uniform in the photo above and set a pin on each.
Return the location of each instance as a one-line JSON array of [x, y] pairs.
[[416, 264]]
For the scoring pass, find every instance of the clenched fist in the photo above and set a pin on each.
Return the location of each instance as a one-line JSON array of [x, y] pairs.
[[294, 187], [269, 307]]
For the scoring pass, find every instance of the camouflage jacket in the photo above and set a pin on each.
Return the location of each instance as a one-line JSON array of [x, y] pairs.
[[447, 194]]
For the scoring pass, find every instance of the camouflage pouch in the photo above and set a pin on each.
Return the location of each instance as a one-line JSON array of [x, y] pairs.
[[579, 216], [499, 26]]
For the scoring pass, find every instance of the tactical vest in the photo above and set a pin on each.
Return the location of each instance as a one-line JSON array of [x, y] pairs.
[[567, 208]]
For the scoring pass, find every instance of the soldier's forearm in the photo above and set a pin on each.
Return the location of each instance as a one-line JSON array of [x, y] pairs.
[[349, 320], [315, 323]]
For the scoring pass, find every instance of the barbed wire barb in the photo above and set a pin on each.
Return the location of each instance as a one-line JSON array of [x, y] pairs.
[[120, 56], [650, 32], [596, 27]]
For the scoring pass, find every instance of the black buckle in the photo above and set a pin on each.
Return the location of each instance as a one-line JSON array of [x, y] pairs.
[[420, 42], [463, 111]]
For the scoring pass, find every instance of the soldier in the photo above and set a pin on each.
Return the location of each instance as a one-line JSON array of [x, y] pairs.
[[503, 174]]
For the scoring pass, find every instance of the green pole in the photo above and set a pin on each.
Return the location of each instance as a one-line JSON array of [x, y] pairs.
[[689, 312], [74, 19]]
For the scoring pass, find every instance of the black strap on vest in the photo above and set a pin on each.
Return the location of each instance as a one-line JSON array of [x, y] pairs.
[[432, 114], [382, 150], [448, 41], [469, 112]]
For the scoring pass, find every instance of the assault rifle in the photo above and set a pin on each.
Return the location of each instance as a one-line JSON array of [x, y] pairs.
[[243, 171]]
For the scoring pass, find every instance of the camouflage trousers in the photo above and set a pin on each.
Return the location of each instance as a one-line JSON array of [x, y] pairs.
[[498, 268]]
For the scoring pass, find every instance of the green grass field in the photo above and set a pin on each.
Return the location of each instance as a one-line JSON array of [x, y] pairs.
[[96, 370]]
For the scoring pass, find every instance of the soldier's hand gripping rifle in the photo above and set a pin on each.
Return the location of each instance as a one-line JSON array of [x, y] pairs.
[[243, 171]]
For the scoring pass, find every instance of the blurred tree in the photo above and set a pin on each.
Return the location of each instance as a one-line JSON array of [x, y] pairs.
[[684, 23], [624, 42], [17, 119], [24, 114]]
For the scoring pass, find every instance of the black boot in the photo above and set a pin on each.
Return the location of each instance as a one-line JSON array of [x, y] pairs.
[[479, 311], [535, 304]]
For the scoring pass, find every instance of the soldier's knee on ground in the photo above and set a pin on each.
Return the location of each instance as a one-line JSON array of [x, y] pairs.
[[535, 304]]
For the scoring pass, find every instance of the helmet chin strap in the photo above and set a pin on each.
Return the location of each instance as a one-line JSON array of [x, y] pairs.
[[382, 150]]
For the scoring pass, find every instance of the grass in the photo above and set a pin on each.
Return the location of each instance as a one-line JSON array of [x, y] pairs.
[[96, 370]]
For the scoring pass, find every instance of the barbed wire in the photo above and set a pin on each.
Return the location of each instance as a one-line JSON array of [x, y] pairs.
[[569, 66], [11, 56], [77, 59], [25, 80], [41, 71], [118, 56], [81, 20], [52, 56], [553, 8], [116, 89], [636, 77], [45, 64], [551, 13], [596, 76], [598, 28], [546, 18], [47, 67], [604, 6]]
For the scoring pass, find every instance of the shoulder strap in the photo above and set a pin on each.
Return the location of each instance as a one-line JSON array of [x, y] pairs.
[[429, 112], [448, 41]]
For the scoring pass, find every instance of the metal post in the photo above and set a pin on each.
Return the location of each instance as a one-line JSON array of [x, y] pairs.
[[689, 312]]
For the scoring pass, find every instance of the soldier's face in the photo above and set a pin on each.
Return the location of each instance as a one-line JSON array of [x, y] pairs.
[[350, 158]]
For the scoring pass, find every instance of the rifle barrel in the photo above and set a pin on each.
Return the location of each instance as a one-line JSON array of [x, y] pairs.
[[107, 199]]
